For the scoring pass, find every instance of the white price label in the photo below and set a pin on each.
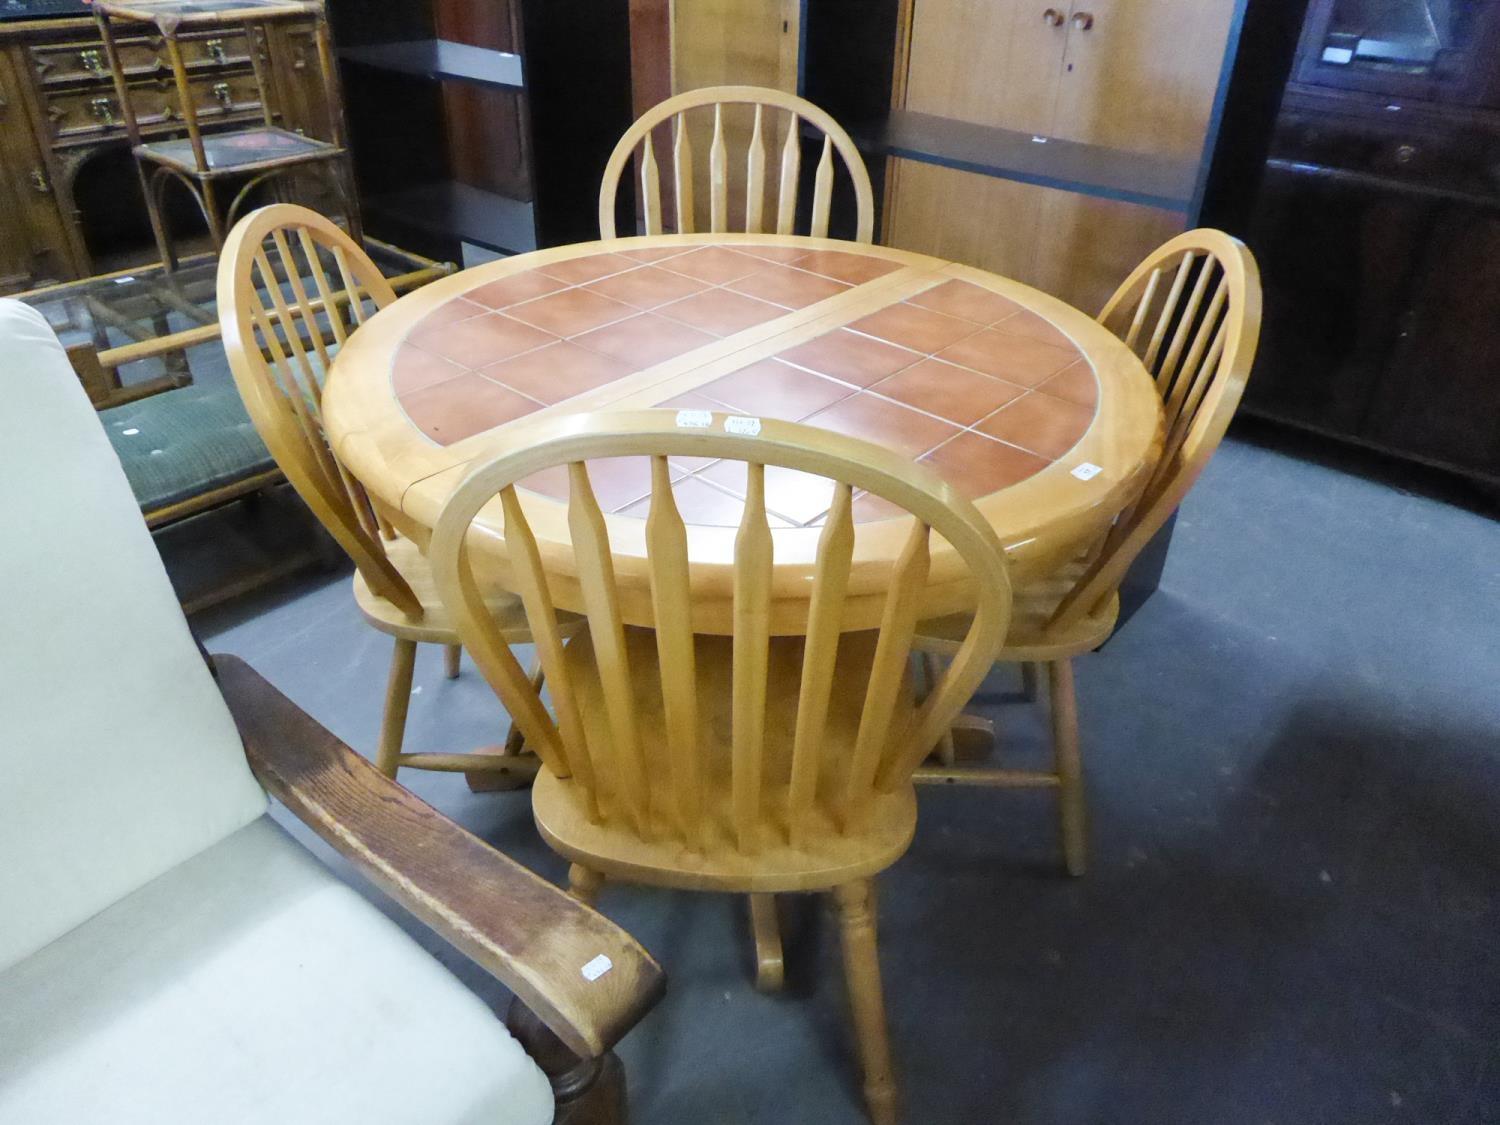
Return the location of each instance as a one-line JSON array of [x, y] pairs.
[[1087, 471], [740, 424], [597, 968], [695, 419]]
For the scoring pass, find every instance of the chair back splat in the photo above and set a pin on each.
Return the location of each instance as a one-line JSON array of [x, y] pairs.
[[722, 744], [292, 286], [1191, 312], [776, 119]]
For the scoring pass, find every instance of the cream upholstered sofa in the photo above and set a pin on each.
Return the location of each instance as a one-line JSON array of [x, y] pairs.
[[168, 953]]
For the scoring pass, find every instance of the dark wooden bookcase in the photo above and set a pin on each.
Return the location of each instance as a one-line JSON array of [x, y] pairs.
[[485, 122]]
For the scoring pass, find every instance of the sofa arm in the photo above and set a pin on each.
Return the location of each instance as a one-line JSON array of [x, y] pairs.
[[543, 945]]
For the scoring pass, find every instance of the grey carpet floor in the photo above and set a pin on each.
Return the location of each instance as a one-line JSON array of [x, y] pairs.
[[1293, 755]]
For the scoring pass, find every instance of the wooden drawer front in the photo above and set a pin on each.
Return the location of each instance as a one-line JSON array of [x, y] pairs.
[[141, 56], [206, 52], [84, 59], [92, 113]]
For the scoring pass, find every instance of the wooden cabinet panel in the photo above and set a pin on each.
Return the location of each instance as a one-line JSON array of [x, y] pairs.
[[1073, 246], [992, 62], [1436, 398], [730, 43], [1141, 74], [1086, 245], [994, 228]]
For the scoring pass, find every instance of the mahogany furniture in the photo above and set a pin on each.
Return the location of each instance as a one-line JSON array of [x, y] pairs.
[[1376, 218], [168, 953], [1191, 311], [243, 158], [282, 317], [775, 759], [1027, 406], [70, 199], [782, 129]]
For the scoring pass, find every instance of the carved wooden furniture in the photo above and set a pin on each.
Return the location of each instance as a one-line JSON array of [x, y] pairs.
[[243, 158], [167, 952], [1191, 311], [70, 201], [897, 352], [781, 130], [764, 757], [291, 288]]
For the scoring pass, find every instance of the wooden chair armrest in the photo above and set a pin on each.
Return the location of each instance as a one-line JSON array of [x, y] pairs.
[[536, 940]]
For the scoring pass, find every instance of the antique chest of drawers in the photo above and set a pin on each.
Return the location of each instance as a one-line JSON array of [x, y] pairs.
[[69, 195]]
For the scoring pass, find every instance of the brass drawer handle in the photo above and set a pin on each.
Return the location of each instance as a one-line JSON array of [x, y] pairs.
[[215, 50], [224, 95], [103, 111], [91, 60]]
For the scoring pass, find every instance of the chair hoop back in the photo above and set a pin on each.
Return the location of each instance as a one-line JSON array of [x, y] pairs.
[[890, 742], [292, 286], [1191, 311], [762, 135]]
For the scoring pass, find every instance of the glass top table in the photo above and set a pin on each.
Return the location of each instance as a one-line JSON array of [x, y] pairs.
[[132, 333]]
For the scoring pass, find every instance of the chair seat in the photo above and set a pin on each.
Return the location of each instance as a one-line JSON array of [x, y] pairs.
[[1030, 638], [824, 858], [248, 985], [435, 627], [185, 442]]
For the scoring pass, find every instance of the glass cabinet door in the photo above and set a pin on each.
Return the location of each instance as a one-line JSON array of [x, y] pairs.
[[1432, 49]]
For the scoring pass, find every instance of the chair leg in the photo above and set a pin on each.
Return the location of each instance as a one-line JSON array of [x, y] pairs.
[[452, 655], [1069, 766], [862, 971], [945, 752], [397, 699], [765, 926], [1029, 681], [584, 883], [488, 781]]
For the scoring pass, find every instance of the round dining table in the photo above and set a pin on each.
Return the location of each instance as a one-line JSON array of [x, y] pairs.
[[1024, 404]]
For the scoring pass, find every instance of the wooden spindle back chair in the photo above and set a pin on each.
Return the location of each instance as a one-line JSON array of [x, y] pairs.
[[283, 315], [759, 762], [292, 287], [1191, 311], [769, 106]]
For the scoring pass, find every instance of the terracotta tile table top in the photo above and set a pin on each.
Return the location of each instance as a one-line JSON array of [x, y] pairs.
[[1022, 403]]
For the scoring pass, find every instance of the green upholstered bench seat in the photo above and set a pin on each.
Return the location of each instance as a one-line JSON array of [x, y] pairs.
[[185, 442]]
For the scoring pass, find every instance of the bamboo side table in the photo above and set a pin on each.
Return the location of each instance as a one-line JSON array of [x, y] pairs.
[[201, 161]]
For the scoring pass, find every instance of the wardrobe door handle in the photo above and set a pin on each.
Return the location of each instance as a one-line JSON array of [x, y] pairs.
[[1083, 21], [1052, 17]]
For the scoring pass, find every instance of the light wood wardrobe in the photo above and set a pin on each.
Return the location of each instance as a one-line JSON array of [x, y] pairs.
[[1134, 75], [1137, 79]]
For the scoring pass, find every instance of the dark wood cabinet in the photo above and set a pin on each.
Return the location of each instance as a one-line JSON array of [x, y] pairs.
[[1377, 227], [483, 122]]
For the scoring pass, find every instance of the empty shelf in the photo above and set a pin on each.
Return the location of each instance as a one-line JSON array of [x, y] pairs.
[[1131, 177], [441, 58], [471, 214]]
